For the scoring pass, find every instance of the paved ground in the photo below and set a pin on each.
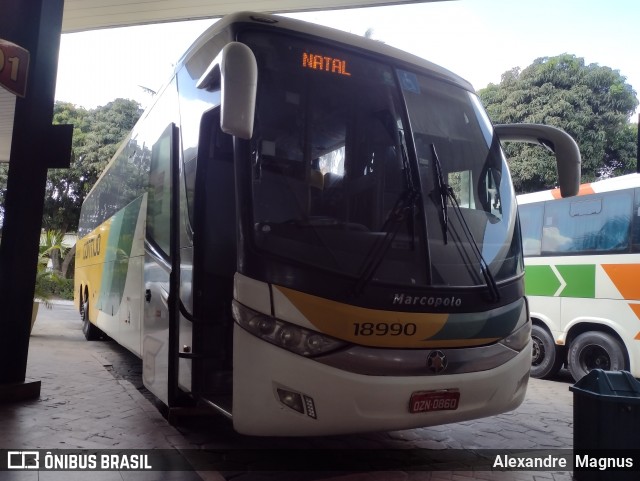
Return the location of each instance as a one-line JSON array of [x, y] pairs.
[[92, 398]]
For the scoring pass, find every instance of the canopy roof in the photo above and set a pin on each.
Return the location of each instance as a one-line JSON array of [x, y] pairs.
[[91, 14]]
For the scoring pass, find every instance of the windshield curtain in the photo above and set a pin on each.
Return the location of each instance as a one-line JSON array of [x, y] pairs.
[[456, 150]]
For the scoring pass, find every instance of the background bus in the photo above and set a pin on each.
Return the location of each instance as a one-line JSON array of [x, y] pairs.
[[582, 259], [314, 233]]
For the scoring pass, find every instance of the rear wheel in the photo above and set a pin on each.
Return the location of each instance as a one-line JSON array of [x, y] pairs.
[[91, 332], [595, 350], [82, 306], [546, 358]]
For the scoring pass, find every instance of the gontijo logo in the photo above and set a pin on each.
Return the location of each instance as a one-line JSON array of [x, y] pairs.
[[92, 247]]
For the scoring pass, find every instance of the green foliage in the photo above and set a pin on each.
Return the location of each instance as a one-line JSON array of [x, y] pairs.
[[44, 280], [63, 197], [52, 248], [49, 286], [49, 280], [96, 137], [592, 103], [97, 134]]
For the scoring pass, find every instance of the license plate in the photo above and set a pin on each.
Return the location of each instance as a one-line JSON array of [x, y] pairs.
[[428, 401]]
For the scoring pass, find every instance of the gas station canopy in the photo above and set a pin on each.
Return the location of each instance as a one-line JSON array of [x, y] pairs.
[[82, 15]]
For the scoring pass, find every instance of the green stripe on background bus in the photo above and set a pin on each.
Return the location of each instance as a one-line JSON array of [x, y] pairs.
[[563, 281], [540, 281], [580, 279]]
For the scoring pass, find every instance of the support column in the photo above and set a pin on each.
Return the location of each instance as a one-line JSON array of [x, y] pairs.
[[36, 146]]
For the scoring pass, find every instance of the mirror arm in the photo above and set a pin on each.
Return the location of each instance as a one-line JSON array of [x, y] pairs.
[[558, 141]]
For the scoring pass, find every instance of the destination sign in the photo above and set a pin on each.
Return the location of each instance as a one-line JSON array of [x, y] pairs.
[[325, 63]]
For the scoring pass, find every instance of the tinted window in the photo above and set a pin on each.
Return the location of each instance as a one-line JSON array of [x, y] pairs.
[[531, 216], [329, 167], [159, 200], [453, 140], [636, 221], [124, 181], [598, 223]]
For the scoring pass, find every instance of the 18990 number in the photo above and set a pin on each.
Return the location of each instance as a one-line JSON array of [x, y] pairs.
[[384, 329]]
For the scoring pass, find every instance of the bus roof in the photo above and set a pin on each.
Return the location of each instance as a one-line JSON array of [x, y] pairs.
[[333, 35], [607, 185]]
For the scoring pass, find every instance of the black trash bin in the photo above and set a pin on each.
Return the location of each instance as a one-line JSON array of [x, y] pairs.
[[606, 426]]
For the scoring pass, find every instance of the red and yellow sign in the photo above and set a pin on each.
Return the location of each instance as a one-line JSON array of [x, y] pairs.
[[14, 67]]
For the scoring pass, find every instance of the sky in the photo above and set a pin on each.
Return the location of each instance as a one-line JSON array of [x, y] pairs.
[[477, 39]]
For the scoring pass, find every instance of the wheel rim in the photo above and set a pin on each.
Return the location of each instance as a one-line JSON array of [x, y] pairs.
[[595, 357], [537, 353]]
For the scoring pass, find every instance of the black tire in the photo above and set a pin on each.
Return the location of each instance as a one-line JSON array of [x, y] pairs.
[[595, 350], [546, 357], [91, 332]]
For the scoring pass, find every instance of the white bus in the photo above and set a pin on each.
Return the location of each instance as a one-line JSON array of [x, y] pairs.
[[582, 280], [314, 233]]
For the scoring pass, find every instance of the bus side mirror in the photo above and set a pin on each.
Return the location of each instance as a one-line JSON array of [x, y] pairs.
[[558, 141], [235, 72]]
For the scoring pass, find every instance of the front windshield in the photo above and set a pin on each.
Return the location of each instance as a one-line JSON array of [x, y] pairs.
[[456, 148], [332, 181], [328, 167]]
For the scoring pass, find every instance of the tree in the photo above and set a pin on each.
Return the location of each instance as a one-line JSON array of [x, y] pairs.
[[62, 202], [592, 103], [52, 248], [97, 135]]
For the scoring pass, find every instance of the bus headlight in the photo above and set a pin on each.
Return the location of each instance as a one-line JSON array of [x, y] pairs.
[[299, 340]]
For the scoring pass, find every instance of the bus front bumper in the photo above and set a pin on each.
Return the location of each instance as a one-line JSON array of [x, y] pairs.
[[335, 401]]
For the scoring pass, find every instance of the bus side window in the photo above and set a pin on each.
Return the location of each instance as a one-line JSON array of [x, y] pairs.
[[159, 200], [489, 191], [462, 184], [531, 216], [635, 222], [559, 228], [594, 224]]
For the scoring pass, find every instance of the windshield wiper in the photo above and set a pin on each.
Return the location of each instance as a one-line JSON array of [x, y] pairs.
[[445, 193], [441, 194], [402, 210]]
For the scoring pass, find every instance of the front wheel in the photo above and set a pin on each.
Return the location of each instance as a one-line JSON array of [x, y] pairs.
[[595, 350], [546, 358]]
